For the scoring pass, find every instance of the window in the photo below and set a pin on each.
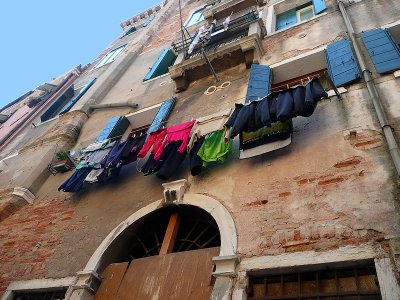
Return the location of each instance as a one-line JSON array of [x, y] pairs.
[[359, 282], [195, 17], [289, 14], [160, 67], [305, 13], [57, 294], [110, 57]]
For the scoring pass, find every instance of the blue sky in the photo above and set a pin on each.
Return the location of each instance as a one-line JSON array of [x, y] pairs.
[[42, 39]]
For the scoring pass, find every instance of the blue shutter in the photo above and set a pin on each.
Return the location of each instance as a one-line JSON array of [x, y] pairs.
[[151, 18], [130, 30], [319, 6], [71, 103], [342, 65], [260, 82], [162, 115], [51, 112], [114, 128], [384, 52], [286, 19], [160, 67]]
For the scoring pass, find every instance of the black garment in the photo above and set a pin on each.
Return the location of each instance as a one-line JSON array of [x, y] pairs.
[[132, 148], [75, 182], [172, 159], [151, 165], [196, 163], [282, 106]]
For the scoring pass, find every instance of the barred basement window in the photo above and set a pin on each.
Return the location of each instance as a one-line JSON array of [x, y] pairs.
[[58, 294], [328, 283]]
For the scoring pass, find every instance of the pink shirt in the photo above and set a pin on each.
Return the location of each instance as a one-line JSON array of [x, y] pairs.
[[157, 140]]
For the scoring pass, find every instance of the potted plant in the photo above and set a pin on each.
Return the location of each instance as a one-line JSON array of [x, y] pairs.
[[62, 162]]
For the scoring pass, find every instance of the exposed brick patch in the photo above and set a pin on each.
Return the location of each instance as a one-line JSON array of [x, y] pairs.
[[331, 181], [28, 239], [352, 162], [365, 139], [257, 203], [285, 194]]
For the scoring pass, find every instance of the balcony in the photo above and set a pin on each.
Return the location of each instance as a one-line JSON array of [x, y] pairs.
[[219, 9], [241, 42]]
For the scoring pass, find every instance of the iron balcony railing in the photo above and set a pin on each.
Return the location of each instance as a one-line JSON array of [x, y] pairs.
[[238, 24]]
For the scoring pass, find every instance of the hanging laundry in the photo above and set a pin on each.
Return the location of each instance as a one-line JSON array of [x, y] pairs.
[[167, 145], [74, 183], [132, 148], [281, 106], [96, 146], [171, 160], [154, 142], [208, 124], [227, 21], [93, 175], [214, 148], [195, 161], [196, 39], [176, 133], [112, 162]]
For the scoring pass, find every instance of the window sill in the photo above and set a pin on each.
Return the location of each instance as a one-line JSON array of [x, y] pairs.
[[297, 24], [341, 90], [155, 78]]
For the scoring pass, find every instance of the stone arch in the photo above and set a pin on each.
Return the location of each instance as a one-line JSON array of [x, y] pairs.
[[220, 214]]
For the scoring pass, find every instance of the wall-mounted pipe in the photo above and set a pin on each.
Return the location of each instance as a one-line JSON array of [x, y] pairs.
[[112, 105], [373, 92]]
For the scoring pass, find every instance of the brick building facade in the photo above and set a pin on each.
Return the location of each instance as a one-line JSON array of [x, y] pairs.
[[313, 214]]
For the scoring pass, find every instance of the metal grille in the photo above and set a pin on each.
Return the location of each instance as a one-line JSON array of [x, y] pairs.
[[345, 283], [42, 295], [240, 21]]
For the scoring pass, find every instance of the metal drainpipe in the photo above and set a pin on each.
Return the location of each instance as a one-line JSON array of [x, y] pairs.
[[373, 92], [113, 105]]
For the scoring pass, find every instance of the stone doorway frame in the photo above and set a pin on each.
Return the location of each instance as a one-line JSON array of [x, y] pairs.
[[88, 280]]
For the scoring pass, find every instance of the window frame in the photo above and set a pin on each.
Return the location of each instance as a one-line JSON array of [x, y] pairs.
[[282, 7], [193, 13], [299, 11], [110, 56]]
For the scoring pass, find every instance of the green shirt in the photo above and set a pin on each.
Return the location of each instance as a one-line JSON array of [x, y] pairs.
[[214, 148]]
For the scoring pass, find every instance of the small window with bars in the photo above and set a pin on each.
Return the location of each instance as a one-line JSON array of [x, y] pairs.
[[350, 283], [56, 294]]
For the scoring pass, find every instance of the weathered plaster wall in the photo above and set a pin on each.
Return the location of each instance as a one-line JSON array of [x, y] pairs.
[[328, 189]]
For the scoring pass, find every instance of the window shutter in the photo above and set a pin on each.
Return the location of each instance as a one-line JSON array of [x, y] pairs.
[[115, 127], [151, 18], [54, 107], [160, 67], [342, 65], [71, 103], [286, 19], [260, 82], [319, 6], [384, 52], [162, 115], [130, 30]]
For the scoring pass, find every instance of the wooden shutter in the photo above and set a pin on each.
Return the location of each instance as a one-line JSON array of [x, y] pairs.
[[162, 115], [286, 19], [55, 106], [319, 6], [114, 128], [160, 67], [151, 18], [130, 30], [260, 82], [342, 65], [71, 103], [384, 52]]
